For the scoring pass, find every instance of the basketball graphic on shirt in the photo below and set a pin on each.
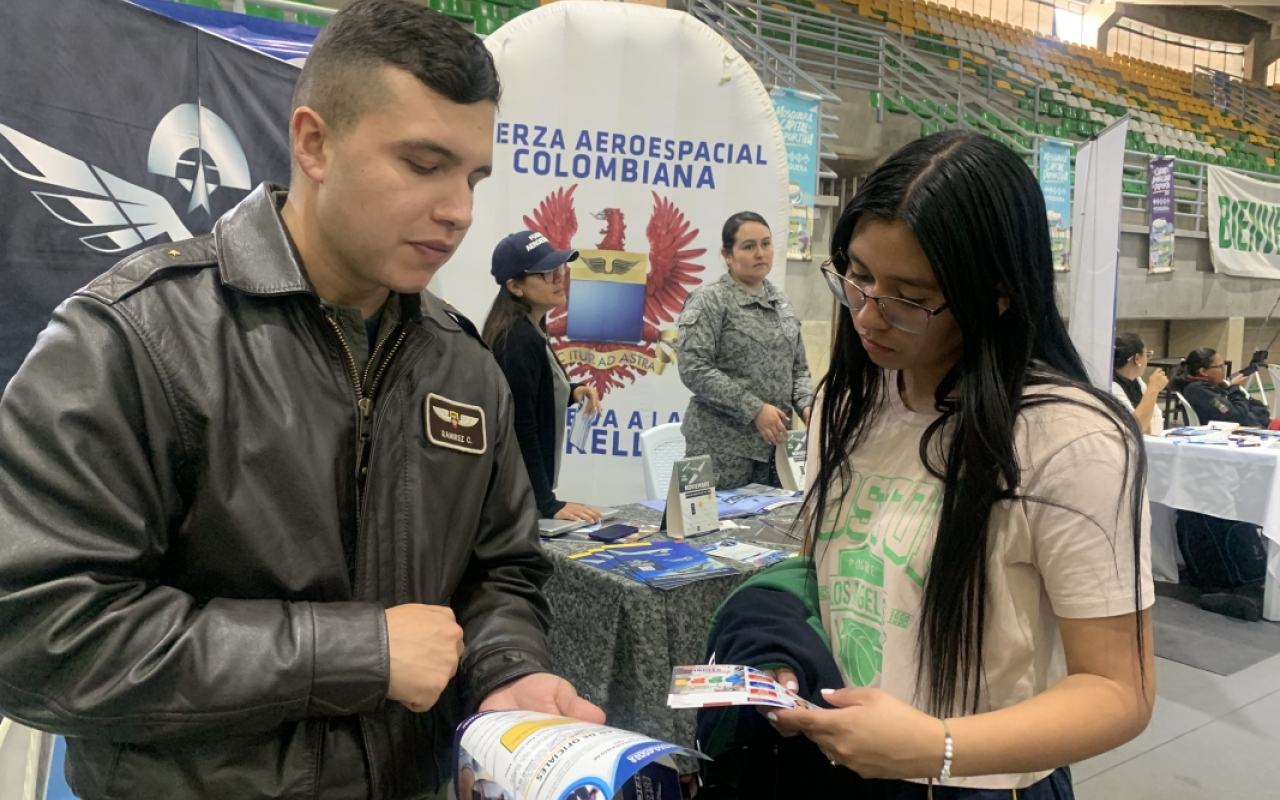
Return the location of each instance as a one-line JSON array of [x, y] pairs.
[[860, 652]]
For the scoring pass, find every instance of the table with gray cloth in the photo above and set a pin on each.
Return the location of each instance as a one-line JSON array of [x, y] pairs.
[[616, 639]]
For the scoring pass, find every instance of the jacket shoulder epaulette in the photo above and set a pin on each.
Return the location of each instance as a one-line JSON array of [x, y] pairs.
[[463, 322], [141, 268]]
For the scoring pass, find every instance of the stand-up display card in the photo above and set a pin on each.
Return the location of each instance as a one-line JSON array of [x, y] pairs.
[[691, 499], [790, 459]]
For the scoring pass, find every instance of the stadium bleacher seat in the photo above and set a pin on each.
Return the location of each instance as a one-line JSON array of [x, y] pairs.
[[1030, 85], [266, 12]]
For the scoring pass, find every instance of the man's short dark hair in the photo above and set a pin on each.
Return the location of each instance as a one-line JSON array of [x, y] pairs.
[[339, 79]]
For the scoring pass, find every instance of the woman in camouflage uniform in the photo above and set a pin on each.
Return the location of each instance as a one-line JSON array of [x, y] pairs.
[[741, 355]]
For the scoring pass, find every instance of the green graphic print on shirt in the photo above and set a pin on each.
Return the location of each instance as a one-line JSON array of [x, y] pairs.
[[885, 522]]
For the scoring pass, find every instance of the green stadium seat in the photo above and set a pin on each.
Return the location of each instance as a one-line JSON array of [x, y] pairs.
[[202, 3], [488, 17], [452, 9], [265, 12], [317, 20], [776, 33], [918, 109], [944, 115]]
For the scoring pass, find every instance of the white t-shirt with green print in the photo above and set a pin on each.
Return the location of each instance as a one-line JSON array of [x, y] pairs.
[[1046, 562]]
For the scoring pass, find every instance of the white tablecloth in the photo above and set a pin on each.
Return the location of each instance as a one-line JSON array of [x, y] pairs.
[[1240, 483]]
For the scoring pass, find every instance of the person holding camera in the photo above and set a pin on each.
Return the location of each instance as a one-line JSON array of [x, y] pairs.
[[1202, 380]]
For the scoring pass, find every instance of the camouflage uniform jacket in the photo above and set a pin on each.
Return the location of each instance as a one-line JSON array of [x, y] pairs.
[[738, 351]]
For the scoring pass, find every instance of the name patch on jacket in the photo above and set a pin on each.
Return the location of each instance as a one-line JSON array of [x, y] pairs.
[[455, 425]]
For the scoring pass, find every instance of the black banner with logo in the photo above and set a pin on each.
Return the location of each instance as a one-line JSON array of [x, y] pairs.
[[119, 128]]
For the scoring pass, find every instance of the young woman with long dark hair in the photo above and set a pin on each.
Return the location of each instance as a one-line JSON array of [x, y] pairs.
[[531, 282], [976, 509]]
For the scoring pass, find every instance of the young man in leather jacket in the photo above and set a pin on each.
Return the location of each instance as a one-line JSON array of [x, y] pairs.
[[266, 530]]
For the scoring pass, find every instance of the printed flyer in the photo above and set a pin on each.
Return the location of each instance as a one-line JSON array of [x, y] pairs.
[[525, 755], [712, 685]]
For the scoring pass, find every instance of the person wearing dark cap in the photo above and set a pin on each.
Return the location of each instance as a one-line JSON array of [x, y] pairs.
[[531, 283]]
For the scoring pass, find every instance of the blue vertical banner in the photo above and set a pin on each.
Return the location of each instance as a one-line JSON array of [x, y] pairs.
[[1160, 203], [1055, 182], [800, 118]]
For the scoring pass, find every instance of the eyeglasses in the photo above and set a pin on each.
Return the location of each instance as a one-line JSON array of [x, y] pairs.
[[553, 275], [1150, 353], [901, 314]]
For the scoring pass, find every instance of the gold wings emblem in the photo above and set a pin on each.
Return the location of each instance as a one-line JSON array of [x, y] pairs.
[[616, 266], [454, 418]]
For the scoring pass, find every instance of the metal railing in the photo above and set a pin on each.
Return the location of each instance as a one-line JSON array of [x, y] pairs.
[[285, 5], [792, 47], [788, 43], [774, 69], [792, 43], [1230, 94]]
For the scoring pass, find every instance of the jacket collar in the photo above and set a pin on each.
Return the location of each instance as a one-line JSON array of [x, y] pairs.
[[1205, 381], [256, 256], [746, 298]]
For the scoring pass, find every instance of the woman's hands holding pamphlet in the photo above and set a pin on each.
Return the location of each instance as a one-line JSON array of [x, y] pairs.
[[870, 732]]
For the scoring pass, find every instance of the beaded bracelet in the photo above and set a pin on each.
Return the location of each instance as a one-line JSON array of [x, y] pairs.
[[947, 753]]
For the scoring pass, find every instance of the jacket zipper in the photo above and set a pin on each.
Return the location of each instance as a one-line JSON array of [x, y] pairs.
[[366, 410], [366, 393], [364, 413]]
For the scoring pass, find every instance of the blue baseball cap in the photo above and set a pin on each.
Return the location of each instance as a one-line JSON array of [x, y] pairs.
[[525, 252]]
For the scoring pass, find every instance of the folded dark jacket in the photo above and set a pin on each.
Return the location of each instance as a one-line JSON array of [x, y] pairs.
[[770, 622]]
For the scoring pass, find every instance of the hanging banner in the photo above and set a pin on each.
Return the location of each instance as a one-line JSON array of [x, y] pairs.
[[799, 116], [1244, 224], [1160, 205], [1095, 261], [629, 133], [1055, 183], [119, 128]]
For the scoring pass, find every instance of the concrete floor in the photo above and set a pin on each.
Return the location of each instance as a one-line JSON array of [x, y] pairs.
[[1210, 738]]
